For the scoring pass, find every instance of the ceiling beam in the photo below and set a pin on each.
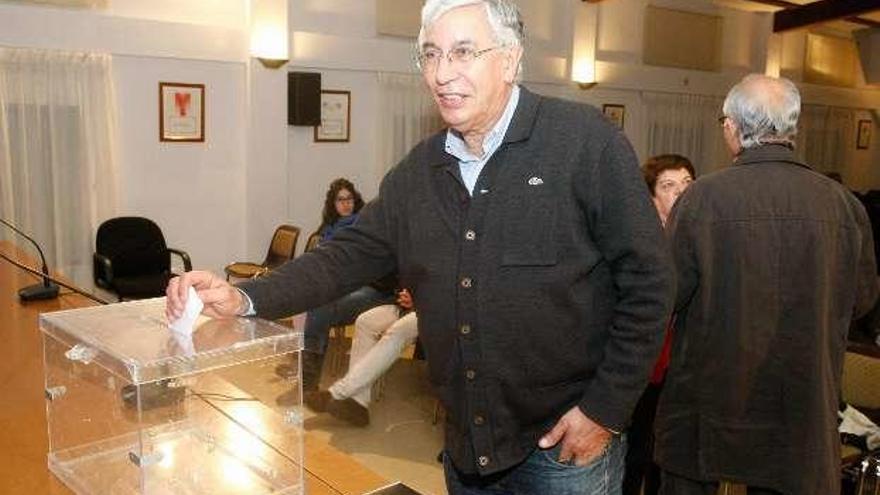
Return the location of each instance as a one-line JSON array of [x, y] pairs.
[[822, 11]]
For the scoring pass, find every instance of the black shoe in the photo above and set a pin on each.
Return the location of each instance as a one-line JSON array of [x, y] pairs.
[[350, 411], [290, 398], [317, 400], [312, 362], [286, 371]]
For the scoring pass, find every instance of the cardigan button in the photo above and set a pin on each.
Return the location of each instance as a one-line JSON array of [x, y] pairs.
[[470, 235], [467, 282], [483, 461], [465, 329]]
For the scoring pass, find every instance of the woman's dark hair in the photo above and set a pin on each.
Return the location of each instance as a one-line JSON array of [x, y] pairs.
[[661, 163], [330, 215]]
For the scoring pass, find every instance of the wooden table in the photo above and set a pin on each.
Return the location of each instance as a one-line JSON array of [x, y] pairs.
[[23, 431]]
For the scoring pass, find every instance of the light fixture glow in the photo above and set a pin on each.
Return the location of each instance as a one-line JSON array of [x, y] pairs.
[[583, 48], [583, 72], [269, 36], [269, 45]]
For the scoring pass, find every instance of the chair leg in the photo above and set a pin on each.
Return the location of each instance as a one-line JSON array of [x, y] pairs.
[[437, 409], [337, 350], [378, 388]]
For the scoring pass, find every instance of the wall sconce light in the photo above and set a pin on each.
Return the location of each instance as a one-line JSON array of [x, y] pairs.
[[773, 63], [583, 72], [269, 45], [583, 46], [272, 63]]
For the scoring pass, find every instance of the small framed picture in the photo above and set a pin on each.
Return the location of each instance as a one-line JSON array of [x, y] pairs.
[[863, 139], [335, 117], [615, 114], [181, 112]]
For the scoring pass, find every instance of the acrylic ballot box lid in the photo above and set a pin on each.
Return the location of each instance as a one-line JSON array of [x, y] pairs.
[[133, 341]]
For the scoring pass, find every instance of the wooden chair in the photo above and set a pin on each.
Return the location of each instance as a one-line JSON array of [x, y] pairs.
[[312, 241], [860, 387], [281, 249], [340, 335]]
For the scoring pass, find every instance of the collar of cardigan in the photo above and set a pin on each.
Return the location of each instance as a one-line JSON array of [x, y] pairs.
[[519, 130]]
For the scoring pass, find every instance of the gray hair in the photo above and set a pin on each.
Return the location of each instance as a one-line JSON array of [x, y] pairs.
[[765, 110], [504, 19]]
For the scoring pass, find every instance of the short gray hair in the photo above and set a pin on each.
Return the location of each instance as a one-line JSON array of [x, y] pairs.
[[503, 15], [765, 110]]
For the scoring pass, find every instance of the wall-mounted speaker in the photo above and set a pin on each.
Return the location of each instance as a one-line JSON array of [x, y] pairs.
[[304, 98]]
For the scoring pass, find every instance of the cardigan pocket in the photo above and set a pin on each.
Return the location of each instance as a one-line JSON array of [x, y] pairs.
[[529, 225]]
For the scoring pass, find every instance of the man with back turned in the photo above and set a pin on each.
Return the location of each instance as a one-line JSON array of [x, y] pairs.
[[773, 261]]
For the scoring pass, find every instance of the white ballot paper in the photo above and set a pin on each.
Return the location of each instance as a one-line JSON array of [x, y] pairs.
[[191, 312]]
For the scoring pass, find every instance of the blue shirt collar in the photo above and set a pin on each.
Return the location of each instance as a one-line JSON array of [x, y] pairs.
[[456, 146]]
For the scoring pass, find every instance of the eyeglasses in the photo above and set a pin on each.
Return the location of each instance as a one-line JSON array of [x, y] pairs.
[[345, 199], [460, 56]]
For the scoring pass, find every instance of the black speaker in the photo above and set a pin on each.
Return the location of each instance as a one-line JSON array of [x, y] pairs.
[[304, 98]]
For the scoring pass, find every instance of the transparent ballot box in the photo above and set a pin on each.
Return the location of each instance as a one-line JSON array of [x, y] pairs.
[[136, 408]]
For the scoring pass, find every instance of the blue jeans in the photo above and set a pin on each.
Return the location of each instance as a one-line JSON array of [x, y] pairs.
[[541, 473], [342, 311]]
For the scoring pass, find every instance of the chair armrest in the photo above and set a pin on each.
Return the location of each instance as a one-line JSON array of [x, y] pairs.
[[103, 268], [187, 262], [864, 349]]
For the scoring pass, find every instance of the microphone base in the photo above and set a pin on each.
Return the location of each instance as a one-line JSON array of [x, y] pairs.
[[38, 292]]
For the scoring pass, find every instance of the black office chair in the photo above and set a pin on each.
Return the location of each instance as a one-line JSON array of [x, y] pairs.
[[281, 249], [132, 260]]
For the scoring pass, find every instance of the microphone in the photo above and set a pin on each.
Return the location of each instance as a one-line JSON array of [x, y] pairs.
[[62, 283], [46, 290]]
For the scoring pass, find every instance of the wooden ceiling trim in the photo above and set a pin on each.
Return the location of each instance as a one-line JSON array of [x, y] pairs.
[[798, 16]]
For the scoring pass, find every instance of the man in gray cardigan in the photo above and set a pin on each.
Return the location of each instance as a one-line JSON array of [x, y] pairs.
[[773, 262], [535, 257]]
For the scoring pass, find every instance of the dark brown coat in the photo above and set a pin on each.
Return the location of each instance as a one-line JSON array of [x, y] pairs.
[[772, 261]]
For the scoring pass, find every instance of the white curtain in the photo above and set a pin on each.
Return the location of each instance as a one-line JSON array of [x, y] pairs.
[[407, 114], [686, 125], [825, 136], [57, 169]]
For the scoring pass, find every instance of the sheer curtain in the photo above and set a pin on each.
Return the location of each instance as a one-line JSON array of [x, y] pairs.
[[57, 170], [825, 137], [686, 125], [407, 115]]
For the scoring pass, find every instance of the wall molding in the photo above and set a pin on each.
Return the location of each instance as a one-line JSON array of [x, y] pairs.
[[89, 31]]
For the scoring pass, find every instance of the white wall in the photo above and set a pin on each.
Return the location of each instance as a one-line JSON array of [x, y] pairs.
[[313, 165], [220, 200], [194, 191], [338, 36]]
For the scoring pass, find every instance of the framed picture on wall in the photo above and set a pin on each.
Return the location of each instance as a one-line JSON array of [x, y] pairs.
[[615, 114], [863, 139], [181, 112], [335, 117]]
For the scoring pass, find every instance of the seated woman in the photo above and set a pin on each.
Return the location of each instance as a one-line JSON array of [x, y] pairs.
[[341, 206], [380, 334]]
